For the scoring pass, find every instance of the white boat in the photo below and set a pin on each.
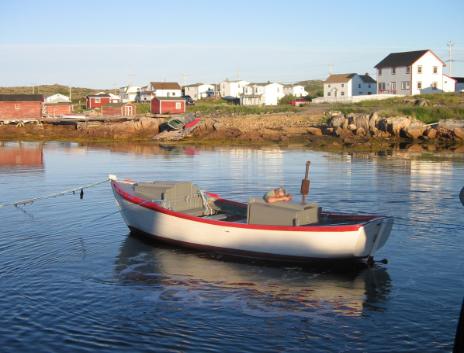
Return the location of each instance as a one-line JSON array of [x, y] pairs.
[[179, 213]]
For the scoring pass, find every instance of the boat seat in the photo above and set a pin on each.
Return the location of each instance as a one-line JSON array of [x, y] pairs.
[[217, 217], [282, 213], [177, 196]]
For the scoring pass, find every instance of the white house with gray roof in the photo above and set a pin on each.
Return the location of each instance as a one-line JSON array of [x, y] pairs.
[[268, 93], [234, 89], [348, 85], [410, 73]]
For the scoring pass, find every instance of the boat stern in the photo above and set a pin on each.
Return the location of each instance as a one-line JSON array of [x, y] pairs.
[[372, 236]]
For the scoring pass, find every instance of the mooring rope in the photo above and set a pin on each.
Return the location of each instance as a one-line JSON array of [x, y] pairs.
[[79, 189]]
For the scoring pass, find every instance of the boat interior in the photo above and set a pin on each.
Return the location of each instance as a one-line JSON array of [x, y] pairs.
[[187, 198]]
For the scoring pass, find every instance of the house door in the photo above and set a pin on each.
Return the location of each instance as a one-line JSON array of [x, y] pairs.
[[334, 92], [128, 110], [393, 87]]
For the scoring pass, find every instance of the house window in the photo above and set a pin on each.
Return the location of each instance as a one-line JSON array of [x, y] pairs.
[[435, 69], [328, 86], [393, 70], [369, 85], [419, 69], [405, 85], [434, 85], [343, 85], [343, 93], [408, 69], [381, 86], [419, 85], [178, 105], [97, 100], [359, 85], [328, 94], [167, 93], [380, 72]]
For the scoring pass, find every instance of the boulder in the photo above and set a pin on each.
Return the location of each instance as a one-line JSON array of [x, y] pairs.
[[336, 121], [450, 124], [373, 120], [431, 133], [459, 132], [415, 130], [360, 131], [315, 131], [352, 127], [397, 124], [362, 121]]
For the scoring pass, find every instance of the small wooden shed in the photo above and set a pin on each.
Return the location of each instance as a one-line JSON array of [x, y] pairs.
[[20, 106], [168, 105], [118, 109], [57, 109]]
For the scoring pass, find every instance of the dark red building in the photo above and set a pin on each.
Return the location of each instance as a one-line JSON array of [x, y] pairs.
[[21, 106], [57, 109], [168, 105], [93, 101], [119, 109]]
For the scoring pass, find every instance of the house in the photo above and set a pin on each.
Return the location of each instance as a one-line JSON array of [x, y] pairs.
[[114, 98], [129, 93], [459, 84], [232, 88], [119, 109], [449, 83], [20, 106], [168, 105], [57, 98], [145, 95], [58, 109], [410, 73], [295, 90], [199, 91], [93, 101], [338, 86], [262, 94], [165, 89]]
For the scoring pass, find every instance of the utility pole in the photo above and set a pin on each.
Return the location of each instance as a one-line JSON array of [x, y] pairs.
[[330, 69], [70, 93], [450, 45]]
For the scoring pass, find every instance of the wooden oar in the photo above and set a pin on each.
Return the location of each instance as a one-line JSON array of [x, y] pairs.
[[304, 190]]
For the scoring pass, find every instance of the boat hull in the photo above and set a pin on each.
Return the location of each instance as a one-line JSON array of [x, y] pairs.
[[278, 242]]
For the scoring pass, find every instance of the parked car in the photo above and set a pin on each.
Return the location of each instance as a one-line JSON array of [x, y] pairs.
[[189, 100]]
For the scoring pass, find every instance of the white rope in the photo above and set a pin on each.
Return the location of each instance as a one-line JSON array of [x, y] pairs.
[[61, 193]]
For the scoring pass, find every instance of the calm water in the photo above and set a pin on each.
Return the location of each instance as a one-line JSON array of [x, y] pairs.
[[71, 279]]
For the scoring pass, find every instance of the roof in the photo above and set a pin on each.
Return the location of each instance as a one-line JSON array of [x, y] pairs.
[[367, 79], [21, 97], [99, 95], [116, 104], [194, 84], [165, 85], [170, 98], [339, 78], [406, 58], [459, 79]]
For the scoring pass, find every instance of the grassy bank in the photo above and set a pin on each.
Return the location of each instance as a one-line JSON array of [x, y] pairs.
[[428, 108], [219, 106]]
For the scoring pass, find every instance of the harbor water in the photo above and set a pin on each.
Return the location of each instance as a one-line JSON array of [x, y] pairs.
[[72, 278]]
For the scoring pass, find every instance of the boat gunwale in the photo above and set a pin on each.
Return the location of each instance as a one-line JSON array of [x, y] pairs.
[[364, 219]]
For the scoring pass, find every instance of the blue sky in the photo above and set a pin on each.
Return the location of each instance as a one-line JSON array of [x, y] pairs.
[[105, 44]]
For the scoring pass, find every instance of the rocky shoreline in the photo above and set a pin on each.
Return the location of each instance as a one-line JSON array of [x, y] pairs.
[[332, 130]]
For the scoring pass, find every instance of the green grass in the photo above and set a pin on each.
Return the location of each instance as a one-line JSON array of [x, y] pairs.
[[142, 108], [219, 106], [439, 106]]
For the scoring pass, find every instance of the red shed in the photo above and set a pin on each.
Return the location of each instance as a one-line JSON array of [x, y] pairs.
[[118, 109], [93, 101], [168, 105], [20, 106], [57, 109]]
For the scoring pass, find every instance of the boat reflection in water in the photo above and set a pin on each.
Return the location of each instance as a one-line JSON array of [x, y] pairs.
[[21, 154], [274, 289]]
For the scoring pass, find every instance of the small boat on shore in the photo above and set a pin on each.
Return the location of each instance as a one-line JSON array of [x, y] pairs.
[[181, 214]]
